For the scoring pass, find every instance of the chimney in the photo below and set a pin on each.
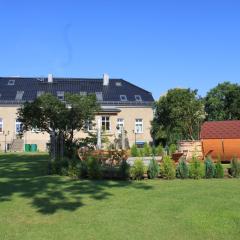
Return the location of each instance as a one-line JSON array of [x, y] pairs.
[[50, 78], [105, 79]]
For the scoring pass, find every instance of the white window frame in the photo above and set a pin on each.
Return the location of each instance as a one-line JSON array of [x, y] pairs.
[[11, 82], [138, 98], [1, 125], [109, 120], [89, 126], [120, 124], [16, 124], [123, 98], [60, 95], [139, 125]]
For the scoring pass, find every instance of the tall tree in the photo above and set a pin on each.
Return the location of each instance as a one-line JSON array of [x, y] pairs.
[[223, 102], [178, 116], [48, 114]]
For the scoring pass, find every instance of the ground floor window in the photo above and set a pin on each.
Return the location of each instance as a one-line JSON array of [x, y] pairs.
[[120, 124], [105, 123], [18, 126], [1, 125], [138, 125]]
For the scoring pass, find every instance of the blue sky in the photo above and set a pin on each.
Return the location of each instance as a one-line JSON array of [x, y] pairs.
[[152, 43]]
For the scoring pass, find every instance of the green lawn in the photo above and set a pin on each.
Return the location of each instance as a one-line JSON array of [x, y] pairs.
[[36, 206]]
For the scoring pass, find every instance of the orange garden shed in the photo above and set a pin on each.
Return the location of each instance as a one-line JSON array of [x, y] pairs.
[[221, 138]]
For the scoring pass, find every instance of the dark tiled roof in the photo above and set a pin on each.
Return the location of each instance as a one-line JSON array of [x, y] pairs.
[[220, 129], [111, 93]]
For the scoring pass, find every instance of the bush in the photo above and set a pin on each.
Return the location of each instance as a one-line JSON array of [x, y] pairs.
[[124, 170], [168, 168], [235, 167], [134, 151], [153, 169], [209, 168], [172, 149], [93, 168], [146, 150], [57, 167], [137, 170], [82, 169], [160, 150], [219, 171], [182, 169], [196, 168]]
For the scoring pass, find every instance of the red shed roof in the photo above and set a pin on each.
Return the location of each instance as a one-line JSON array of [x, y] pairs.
[[220, 129]]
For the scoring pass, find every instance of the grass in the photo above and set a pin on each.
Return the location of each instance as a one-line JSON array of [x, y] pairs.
[[36, 206]]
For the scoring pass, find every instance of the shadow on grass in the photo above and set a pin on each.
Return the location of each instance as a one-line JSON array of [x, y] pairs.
[[25, 175]]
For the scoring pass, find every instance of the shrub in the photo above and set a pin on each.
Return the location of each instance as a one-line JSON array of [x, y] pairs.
[[168, 168], [93, 168], [219, 171], [172, 149], [82, 169], [153, 169], [235, 167], [137, 170], [209, 168], [134, 151], [146, 150], [57, 167], [160, 150], [182, 169], [124, 170], [196, 168]]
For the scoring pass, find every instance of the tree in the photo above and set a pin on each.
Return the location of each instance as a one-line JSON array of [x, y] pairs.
[[223, 102], [178, 115], [48, 114]]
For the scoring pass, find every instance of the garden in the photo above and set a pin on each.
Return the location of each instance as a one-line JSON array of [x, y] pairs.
[[35, 205]]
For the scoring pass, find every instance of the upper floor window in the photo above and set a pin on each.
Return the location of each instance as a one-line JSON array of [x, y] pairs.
[[40, 93], [88, 126], [83, 93], [138, 125], [118, 84], [138, 98], [123, 97], [120, 124], [105, 123], [1, 125], [60, 95], [11, 82], [18, 126], [19, 95], [99, 96]]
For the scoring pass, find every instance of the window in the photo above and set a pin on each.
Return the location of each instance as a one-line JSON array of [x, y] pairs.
[[18, 126], [88, 126], [118, 84], [138, 125], [19, 95], [60, 95], [0, 95], [1, 125], [105, 123], [123, 97], [99, 96], [40, 93], [11, 82], [83, 93], [120, 124], [138, 98]]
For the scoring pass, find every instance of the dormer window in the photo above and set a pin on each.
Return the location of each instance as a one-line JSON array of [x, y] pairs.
[[19, 95], [118, 84], [11, 82], [40, 93], [138, 98], [99, 96], [83, 93], [60, 95], [123, 98]]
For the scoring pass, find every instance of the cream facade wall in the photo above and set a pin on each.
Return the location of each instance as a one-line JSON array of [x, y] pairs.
[[129, 114]]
